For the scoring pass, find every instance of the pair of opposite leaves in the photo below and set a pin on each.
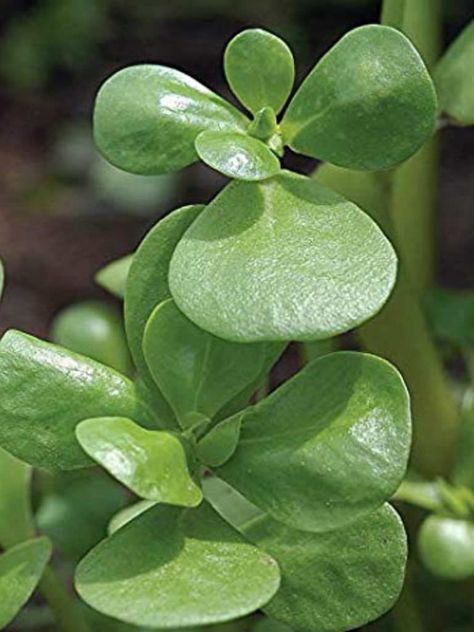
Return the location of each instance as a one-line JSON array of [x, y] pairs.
[[279, 258]]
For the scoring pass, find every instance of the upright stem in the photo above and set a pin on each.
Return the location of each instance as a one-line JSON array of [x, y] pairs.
[[63, 606]]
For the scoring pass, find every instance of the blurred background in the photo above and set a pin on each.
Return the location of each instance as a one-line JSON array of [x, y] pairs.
[[64, 212]]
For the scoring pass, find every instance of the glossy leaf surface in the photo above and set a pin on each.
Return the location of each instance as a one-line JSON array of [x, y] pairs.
[[46, 391], [196, 371], [368, 104], [284, 259], [147, 286], [151, 463], [14, 501], [446, 546], [237, 155], [453, 78], [339, 580], [20, 571], [328, 446], [113, 276], [147, 117], [170, 567], [95, 330], [260, 69]]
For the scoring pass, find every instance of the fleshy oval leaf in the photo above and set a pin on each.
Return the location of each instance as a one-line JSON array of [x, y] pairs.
[[237, 156], [368, 104], [196, 371], [147, 117], [260, 69], [328, 446], [171, 568], [283, 259], [453, 78], [338, 580], [21, 569], [446, 547]]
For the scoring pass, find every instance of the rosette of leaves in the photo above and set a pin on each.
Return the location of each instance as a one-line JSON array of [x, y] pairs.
[[276, 256], [317, 459]]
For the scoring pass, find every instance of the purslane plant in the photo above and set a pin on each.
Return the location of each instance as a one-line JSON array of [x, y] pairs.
[[213, 295]]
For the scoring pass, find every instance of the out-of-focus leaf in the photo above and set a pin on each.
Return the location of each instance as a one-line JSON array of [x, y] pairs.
[[446, 546], [113, 277], [16, 522]]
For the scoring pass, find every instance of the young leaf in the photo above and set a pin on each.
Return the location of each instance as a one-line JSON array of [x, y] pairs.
[[446, 546], [260, 69], [453, 78], [284, 259], [338, 580], [218, 445], [194, 370], [232, 506], [46, 391], [172, 567], [237, 155], [147, 117], [147, 285], [113, 276], [127, 514], [15, 506], [328, 446], [150, 463], [20, 571], [368, 104], [95, 330]]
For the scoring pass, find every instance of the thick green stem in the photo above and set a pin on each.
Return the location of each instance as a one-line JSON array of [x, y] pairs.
[[65, 609]]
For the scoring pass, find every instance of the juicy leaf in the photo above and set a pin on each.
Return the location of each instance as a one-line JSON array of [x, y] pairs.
[[147, 117], [46, 391], [220, 443], [237, 155], [260, 69], [446, 546], [328, 446], [113, 276], [129, 513], [147, 286], [95, 330], [194, 370], [453, 78], [368, 104], [150, 463], [20, 571], [172, 567], [339, 580], [14, 501], [284, 259]]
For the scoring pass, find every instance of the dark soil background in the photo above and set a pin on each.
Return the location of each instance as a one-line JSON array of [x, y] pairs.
[[56, 229]]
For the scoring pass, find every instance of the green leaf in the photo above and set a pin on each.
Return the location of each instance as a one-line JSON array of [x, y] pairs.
[[129, 513], [446, 546], [368, 104], [260, 69], [20, 571], [453, 78], [113, 276], [15, 506], [284, 259], [218, 445], [151, 463], [451, 314], [328, 446], [147, 286], [194, 370], [237, 155], [147, 117], [95, 330], [228, 502], [172, 567], [339, 580], [46, 391]]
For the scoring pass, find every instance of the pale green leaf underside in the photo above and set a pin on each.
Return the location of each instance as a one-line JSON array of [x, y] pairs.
[[47, 391], [20, 571], [368, 104], [113, 276], [170, 568], [339, 580], [237, 156], [328, 446], [283, 259], [147, 117], [194, 370], [260, 69], [151, 463]]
